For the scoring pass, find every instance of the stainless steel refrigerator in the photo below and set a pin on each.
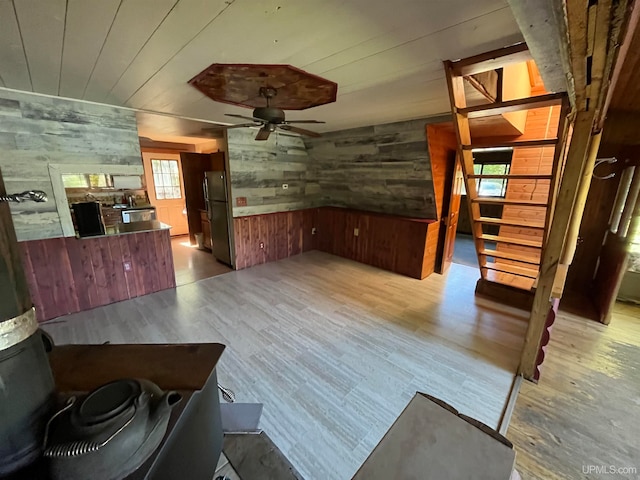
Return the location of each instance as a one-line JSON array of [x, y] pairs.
[[216, 200]]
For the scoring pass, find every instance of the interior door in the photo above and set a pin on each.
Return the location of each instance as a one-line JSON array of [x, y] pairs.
[[451, 219], [194, 165], [163, 176]]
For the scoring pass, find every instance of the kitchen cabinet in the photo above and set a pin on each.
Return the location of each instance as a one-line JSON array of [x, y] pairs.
[[194, 165], [206, 229]]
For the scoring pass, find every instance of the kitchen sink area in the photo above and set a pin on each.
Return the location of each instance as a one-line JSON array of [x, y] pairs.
[[103, 204]]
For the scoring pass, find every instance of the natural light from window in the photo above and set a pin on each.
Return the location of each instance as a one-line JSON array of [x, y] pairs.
[[87, 180], [166, 179], [491, 187]]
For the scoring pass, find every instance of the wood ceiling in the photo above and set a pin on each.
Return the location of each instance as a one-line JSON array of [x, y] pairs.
[[386, 57]]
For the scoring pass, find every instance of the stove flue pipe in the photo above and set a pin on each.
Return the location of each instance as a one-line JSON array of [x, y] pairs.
[[26, 383]]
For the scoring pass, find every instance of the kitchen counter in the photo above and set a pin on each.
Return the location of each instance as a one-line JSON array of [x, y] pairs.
[[84, 273], [133, 227]]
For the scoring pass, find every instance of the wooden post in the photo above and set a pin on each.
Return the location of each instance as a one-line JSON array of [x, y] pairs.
[[581, 200], [553, 250], [14, 291]]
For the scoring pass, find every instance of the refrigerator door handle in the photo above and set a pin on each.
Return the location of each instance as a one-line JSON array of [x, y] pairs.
[[206, 197]]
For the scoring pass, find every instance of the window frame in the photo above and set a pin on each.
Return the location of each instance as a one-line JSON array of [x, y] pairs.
[[161, 188], [486, 158]]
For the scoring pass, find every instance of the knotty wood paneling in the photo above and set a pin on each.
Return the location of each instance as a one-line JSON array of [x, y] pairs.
[[442, 151], [541, 123], [283, 235], [37, 131], [399, 244], [67, 275], [379, 168]]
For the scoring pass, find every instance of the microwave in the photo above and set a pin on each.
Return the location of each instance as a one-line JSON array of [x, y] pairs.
[[138, 215]]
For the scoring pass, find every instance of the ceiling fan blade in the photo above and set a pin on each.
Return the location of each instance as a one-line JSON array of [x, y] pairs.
[[301, 131], [263, 134], [244, 117], [302, 121], [226, 127]]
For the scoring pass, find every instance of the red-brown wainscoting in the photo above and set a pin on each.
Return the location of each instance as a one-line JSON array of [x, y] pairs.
[[68, 275], [398, 244], [282, 234], [402, 245]]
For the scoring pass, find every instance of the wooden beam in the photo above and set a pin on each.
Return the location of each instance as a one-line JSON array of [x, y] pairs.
[[577, 20], [15, 298], [630, 30], [555, 242], [491, 60], [488, 143], [517, 105], [599, 55], [475, 83], [558, 161], [581, 199], [457, 99]]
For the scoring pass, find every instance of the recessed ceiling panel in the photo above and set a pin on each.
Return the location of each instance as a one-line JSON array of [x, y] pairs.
[[240, 84]]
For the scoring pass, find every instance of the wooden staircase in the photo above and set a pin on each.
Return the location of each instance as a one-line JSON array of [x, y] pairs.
[[512, 256]]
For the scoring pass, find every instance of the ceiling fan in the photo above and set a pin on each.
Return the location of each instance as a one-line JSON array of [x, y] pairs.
[[271, 118]]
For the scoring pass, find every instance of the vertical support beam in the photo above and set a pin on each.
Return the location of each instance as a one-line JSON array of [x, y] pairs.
[[15, 298], [555, 242], [463, 135], [558, 160], [581, 200]]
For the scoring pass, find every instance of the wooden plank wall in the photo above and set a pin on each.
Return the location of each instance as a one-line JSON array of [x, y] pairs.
[[282, 234], [379, 168], [541, 123], [67, 275], [36, 131], [399, 244], [259, 169]]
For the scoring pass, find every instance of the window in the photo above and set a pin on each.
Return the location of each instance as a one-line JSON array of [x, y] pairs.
[[492, 163], [87, 180], [166, 179]]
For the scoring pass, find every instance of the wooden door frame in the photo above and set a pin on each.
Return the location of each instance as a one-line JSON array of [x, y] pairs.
[[148, 175], [447, 211]]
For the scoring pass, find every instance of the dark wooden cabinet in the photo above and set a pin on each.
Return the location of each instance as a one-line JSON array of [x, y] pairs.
[[193, 167], [206, 229]]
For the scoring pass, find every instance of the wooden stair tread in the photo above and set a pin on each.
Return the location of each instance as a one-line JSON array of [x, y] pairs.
[[499, 108], [512, 241], [511, 223], [514, 176], [510, 256], [546, 142], [507, 201], [513, 269], [510, 280]]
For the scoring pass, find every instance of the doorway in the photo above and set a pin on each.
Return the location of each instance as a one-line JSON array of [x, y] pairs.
[[192, 263], [163, 175]]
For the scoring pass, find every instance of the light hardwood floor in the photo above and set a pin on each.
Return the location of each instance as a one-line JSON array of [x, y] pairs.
[[586, 409], [191, 264], [333, 348]]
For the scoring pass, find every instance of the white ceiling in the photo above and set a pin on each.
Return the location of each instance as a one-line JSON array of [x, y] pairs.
[[386, 56]]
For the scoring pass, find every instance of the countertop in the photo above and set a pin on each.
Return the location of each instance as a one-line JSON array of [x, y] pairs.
[[133, 227]]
